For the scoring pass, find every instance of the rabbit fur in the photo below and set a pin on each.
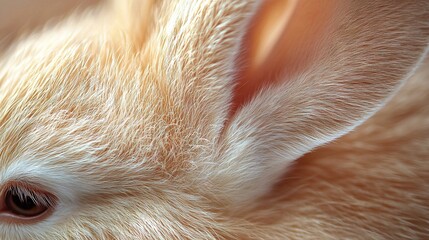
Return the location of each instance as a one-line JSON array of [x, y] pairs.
[[127, 113]]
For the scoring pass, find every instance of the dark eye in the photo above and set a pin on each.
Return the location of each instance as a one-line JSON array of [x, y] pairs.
[[25, 203]]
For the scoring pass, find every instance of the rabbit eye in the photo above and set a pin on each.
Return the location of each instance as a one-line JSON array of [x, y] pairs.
[[25, 203]]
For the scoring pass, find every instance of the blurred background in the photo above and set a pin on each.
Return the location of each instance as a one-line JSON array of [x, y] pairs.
[[18, 17]]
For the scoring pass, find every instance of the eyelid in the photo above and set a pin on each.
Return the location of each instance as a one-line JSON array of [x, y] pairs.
[[40, 195]]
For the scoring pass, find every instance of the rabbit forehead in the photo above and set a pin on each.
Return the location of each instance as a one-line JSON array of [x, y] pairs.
[[71, 98]]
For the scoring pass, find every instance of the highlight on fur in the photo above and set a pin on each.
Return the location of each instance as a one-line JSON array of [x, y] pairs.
[[164, 120]]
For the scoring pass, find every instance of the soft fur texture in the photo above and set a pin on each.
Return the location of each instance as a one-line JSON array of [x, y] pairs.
[[123, 112]]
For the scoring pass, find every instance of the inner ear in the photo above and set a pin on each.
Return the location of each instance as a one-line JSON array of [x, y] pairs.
[[283, 39]]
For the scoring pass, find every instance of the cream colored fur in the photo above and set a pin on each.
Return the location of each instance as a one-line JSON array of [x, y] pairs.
[[123, 113]]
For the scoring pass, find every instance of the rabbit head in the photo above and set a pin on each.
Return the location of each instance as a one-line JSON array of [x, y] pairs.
[[173, 119]]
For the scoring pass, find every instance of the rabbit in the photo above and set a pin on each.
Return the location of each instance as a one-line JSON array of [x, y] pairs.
[[213, 119]]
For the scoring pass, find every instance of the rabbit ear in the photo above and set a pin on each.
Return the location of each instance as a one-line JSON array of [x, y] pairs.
[[135, 18], [331, 65], [284, 38]]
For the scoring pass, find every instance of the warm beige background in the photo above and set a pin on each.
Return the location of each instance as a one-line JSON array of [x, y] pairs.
[[18, 16]]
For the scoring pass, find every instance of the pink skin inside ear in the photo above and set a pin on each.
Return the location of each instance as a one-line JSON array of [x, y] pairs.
[[284, 39]]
